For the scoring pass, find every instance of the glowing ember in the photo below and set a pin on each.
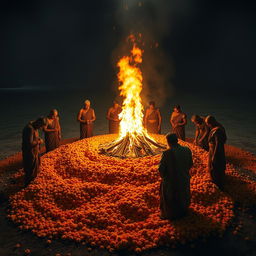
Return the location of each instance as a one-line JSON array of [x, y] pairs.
[[133, 139]]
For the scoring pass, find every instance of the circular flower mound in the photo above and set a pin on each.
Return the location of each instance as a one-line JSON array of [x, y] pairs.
[[114, 203]]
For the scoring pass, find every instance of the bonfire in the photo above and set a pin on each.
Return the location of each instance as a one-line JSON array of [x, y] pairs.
[[133, 140]]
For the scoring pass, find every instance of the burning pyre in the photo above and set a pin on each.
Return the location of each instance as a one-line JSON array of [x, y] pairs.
[[133, 140]]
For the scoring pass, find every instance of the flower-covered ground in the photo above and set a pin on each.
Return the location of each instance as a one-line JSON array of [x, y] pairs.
[[113, 203]]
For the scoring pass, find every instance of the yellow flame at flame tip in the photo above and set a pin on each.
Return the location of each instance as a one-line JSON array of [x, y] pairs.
[[131, 79]]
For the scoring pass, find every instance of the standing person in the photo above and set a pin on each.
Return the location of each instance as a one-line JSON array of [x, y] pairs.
[[30, 149], [86, 117], [202, 132], [52, 131], [175, 186], [216, 156], [113, 117], [178, 121], [152, 118]]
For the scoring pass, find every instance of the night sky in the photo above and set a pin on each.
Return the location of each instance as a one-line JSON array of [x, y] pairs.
[[74, 43]]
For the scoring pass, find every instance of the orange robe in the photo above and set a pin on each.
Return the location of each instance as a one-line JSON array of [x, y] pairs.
[[86, 130], [179, 130], [52, 139], [152, 121], [114, 125], [216, 156], [30, 153]]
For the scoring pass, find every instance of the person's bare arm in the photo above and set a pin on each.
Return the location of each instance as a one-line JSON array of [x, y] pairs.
[[59, 128], [33, 142], [93, 116], [205, 133], [184, 120], [108, 115], [49, 130], [171, 122], [196, 135], [79, 117]]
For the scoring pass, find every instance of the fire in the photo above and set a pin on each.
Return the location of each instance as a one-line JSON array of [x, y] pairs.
[[131, 79], [133, 140]]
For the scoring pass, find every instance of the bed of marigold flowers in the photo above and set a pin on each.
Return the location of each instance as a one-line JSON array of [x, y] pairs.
[[113, 203]]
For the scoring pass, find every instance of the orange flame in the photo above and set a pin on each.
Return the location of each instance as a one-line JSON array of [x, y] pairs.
[[131, 79]]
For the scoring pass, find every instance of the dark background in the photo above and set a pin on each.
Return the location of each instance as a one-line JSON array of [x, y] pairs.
[[209, 44]]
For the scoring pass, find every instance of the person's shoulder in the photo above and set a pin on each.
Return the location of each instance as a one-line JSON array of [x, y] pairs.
[[28, 127], [186, 148], [166, 152]]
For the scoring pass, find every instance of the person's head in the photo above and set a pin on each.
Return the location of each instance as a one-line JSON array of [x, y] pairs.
[[39, 123], [195, 119], [177, 108], [115, 104], [211, 121], [172, 139], [53, 113], [87, 104], [152, 104]]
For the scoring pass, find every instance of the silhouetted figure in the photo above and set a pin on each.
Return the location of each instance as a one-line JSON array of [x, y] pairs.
[[202, 132], [113, 118], [30, 149], [216, 156], [86, 117], [52, 131], [152, 119], [175, 186], [178, 121]]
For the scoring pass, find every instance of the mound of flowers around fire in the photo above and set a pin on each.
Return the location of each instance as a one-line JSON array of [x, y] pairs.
[[113, 203]]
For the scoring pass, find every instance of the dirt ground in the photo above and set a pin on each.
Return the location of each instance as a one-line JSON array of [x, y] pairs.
[[239, 239]]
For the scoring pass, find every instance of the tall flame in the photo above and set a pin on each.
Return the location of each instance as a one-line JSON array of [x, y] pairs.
[[130, 77], [133, 139]]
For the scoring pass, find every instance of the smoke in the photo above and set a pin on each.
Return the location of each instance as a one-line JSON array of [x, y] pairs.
[[152, 19]]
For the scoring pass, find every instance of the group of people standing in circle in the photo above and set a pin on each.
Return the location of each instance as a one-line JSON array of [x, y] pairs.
[[209, 135]]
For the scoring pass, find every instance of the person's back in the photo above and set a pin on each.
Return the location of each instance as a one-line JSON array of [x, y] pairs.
[[175, 188]]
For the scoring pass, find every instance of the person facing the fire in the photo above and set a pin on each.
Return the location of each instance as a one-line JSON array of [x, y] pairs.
[[31, 149], [201, 133], [178, 121], [52, 131], [152, 119], [113, 117], [86, 117], [216, 157], [174, 169]]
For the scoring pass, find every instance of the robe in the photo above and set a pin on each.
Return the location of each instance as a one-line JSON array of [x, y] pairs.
[[30, 153], [152, 121], [86, 130], [52, 139], [178, 118], [203, 130], [216, 156], [175, 186], [114, 125]]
